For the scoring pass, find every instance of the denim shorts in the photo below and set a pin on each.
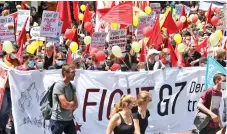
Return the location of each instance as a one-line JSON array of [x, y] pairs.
[[58, 127]]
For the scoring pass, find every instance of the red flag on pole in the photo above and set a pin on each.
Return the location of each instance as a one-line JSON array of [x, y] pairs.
[[64, 14], [121, 14], [76, 10], [183, 13], [143, 52], [21, 40], [156, 37], [69, 58], [87, 15], [173, 56], [209, 14], [170, 24]]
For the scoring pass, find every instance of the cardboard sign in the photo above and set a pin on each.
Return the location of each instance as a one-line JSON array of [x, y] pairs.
[[178, 9], [35, 32], [98, 40], [7, 28], [222, 15], [22, 16], [118, 38], [49, 25], [156, 7], [145, 21]]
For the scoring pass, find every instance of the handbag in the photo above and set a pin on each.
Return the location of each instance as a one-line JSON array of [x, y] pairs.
[[202, 119]]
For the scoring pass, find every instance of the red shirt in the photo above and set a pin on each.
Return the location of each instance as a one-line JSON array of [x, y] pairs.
[[206, 97]]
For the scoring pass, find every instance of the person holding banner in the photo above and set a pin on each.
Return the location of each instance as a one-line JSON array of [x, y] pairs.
[[209, 103], [121, 121], [141, 116]]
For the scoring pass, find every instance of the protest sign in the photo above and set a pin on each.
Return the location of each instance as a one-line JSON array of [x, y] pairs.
[[7, 28], [178, 8], [35, 32], [145, 21], [22, 16], [3, 79], [175, 94], [98, 40], [118, 38], [49, 25], [57, 34], [222, 16], [156, 7]]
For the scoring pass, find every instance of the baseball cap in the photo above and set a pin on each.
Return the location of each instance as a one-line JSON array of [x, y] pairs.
[[49, 44], [153, 51]]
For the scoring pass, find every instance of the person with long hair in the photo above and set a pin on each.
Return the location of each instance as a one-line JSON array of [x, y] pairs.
[[140, 117], [121, 121]]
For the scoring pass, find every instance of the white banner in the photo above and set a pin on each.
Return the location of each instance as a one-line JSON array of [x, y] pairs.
[[22, 16], [7, 28], [49, 25], [175, 93]]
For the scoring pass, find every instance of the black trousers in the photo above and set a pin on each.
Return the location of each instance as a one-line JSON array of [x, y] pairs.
[[208, 130]]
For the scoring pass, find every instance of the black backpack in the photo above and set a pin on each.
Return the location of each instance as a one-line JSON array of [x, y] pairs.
[[46, 103]]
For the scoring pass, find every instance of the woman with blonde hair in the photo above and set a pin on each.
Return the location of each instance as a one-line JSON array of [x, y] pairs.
[[121, 121], [140, 117]]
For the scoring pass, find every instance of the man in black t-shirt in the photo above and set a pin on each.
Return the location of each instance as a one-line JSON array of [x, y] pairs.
[[192, 56], [49, 55]]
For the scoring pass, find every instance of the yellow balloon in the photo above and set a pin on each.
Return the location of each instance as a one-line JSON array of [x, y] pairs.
[[31, 49], [177, 38], [82, 7], [87, 40], [116, 50], [135, 21], [148, 10], [73, 47], [7, 46], [183, 19], [114, 25], [136, 46], [219, 33], [35, 44], [214, 39], [40, 43], [181, 47], [81, 16]]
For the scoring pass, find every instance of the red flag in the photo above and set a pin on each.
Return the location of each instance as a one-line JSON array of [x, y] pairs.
[[0, 46], [202, 47], [75, 36], [64, 14], [121, 14], [69, 58], [76, 10], [170, 24], [87, 15], [15, 18], [183, 13], [173, 56], [156, 36], [209, 14], [21, 40], [143, 52]]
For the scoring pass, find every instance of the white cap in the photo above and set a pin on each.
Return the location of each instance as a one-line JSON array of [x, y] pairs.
[[153, 51], [49, 44]]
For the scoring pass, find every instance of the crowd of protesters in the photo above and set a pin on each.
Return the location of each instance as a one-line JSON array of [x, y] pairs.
[[51, 56]]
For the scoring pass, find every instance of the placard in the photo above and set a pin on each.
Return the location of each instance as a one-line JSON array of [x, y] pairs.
[[98, 40], [22, 16], [3, 79], [156, 7], [49, 25], [178, 8], [118, 38], [222, 16], [35, 32], [7, 28], [145, 21]]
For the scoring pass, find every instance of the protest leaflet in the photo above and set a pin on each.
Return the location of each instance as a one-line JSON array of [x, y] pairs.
[[7, 28], [98, 40], [22, 16], [145, 21], [49, 25], [118, 38], [156, 7]]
